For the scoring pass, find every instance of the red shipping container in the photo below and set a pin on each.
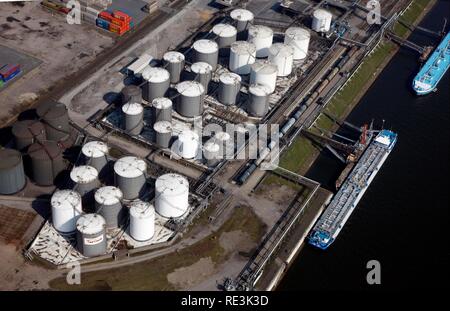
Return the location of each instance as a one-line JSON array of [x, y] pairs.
[[122, 16], [106, 16], [118, 22], [65, 10]]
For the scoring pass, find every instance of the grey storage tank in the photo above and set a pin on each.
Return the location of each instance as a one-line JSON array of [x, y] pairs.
[[131, 93], [161, 109], [226, 35], [95, 154], [27, 132], [157, 82], [56, 120], [12, 175], [190, 98], [203, 73], [163, 131], [174, 62], [206, 51], [229, 87], [242, 18], [133, 118], [108, 204], [258, 102], [91, 235], [46, 161], [85, 179], [211, 153], [130, 176]]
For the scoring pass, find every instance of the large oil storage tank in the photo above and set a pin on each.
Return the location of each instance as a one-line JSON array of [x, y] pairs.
[[211, 153], [12, 175], [229, 87], [130, 176], [108, 204], [131, 93], [133, 118], [262, 37], [163, 131], [85, 179], [298, 38], [142, 221], [190, 98], [157, 82], [203, 73], [66, 209], [258, 102], [223, 139], [226, 35], [56, 120], [187, 144], [206, 51], [321, 20], [242, 55], [175, 64], [27, 132], [264, 73], [91, 235], [95, 154], [282, 56], [242, 18], [46, 161], [171, 195], [161, 109]]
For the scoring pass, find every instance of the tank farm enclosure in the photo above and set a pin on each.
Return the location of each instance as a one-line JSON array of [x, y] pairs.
[[232, 71]]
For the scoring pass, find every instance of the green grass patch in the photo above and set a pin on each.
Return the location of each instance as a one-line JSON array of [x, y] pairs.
[[410, 16]]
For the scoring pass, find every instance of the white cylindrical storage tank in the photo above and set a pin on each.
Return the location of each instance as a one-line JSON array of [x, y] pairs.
[[157, 82], [171, 195], [242, 18], [142, 221], [175, 64], [264, 73], [203, 73], [321, 21], [226, 35], [163, 131], [298, 38], [85, 178], [66, 208], [229, 87], [242, 55], [108, 203], [91, 235], [206, 51], [223, 139], [161, 109], [134, 118], [258, 102], [262, 37], [95, 154], [130, 176], [190, 99], [211, 153], [187, 144], [282, 56]]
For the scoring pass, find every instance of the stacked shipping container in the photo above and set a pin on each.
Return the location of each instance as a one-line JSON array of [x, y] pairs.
[[8, 72]]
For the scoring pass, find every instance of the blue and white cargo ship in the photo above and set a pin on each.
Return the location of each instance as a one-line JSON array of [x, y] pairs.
[[434, 69], [345, 200]]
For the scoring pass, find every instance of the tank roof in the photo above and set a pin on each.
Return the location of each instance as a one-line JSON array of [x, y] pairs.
[[281, 49], [205, 46], [321, 13], [83, 174], [242, 15], [222, 136], [66, 199], [260, 31], [224, 30], [155, 74], [162, 103], [130, 167], [172, 184], [108, 195], [243, 47], [95, 149], [230, 78], [211, 146], [140, 209], [91, 223], [173, 57], [9, 158], [132, 108], [190, 88], [44, 150], [264, 67], [201, 67], [297, 33], [259, 90], [163, 127], [27, 128]]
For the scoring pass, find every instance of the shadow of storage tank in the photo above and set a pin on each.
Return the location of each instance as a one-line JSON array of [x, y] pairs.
[[174, 62], [91, 235], [12, 175], [130, 176], [95, 154], [27, 132], [108, 204], [157, 82], [66, 208], [131, 93], [163, 131], [171, 195], [56, 120], [142, 221], [203, 73], [229, 87], [133, 118], [46, 161], [190, 98]]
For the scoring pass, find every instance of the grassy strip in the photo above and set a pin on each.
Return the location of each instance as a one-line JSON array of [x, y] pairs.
[[410, 16], [152, 274]]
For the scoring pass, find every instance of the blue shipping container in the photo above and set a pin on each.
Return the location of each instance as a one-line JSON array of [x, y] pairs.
[[103, 23], [11, 76]]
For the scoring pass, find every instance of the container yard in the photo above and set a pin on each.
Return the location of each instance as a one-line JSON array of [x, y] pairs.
[[160, 145]]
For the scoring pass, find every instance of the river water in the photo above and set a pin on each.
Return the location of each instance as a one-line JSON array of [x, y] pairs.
[[403, 219]]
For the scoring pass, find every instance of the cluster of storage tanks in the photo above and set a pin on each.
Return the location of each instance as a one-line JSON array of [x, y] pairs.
[[40, 142], [250, 51], [114, 204]]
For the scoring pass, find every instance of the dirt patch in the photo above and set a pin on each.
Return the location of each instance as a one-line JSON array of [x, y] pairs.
[[190, 275], [13, 224], [236, 241], [279, 194]]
